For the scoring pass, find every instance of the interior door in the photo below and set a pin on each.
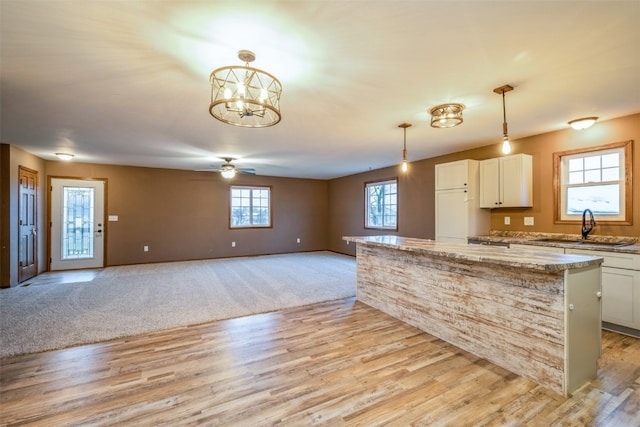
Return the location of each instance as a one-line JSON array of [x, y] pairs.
[[77, 224], [28, 215]]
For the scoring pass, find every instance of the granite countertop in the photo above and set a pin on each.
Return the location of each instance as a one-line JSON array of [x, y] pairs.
[[480, 253], [593, 243]]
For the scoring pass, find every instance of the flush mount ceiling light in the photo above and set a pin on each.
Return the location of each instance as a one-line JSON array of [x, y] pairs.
[[583, 123], [506, 145], [446, 115], [245, 96], [404, 126], [64, 156]]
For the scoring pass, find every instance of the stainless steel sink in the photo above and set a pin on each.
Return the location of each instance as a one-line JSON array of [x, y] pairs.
[[585, 242], [552, 240], [607, 244]]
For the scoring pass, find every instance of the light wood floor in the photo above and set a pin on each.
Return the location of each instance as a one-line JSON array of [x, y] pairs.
[[335, 363]]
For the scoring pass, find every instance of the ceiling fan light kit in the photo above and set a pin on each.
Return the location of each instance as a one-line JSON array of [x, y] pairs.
[[245, 96], [506, 145], [446, 115], [583, 123], [228, 170]]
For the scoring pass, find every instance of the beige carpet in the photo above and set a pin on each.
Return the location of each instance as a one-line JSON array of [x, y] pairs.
[[131, 300]]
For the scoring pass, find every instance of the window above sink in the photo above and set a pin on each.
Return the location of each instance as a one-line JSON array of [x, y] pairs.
[[596, 178]]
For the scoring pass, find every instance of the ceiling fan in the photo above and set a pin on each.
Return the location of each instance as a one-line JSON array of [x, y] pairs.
[[229, 170]]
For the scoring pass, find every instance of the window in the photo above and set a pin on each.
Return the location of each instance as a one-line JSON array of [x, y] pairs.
[[598, 179], [250, 207], [77, 222], [381, 204]]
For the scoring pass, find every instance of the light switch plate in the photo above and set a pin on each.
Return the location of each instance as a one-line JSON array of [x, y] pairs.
[[528, 220], [113, 218]]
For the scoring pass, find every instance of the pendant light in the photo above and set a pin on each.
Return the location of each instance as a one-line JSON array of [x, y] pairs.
[[506, 145], [405, 166]]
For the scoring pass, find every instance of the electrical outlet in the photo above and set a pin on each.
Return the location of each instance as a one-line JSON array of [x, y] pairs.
[[233, 244], [507, 220], [528, 220], [298, 240], [145, 248]]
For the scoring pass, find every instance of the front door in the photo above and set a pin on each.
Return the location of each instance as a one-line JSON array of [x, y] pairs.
[[77, 224], [28, 215]]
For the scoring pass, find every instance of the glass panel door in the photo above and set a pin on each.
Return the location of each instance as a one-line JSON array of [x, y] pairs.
[[77, 224]]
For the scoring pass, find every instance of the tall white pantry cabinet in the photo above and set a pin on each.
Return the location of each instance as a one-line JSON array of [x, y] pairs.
[[458, 213]]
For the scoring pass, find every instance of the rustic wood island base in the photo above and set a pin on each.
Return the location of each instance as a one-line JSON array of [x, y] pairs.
[[536, 315]]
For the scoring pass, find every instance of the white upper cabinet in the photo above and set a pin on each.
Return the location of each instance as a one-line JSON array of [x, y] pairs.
[[506, 182], [458, 215], [454, 175]]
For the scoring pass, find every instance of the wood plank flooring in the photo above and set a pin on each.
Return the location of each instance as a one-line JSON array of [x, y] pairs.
[[340, 363]]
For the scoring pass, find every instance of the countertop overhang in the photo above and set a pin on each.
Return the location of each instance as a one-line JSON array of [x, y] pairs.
[[481, 253]]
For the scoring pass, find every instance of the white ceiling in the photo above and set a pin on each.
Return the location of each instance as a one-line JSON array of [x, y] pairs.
[[127, 82]]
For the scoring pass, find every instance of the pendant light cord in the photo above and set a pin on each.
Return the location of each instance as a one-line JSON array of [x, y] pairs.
[[404, 148], [504, 116]]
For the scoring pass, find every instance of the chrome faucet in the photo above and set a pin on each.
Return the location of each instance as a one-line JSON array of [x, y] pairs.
[[592, 223]]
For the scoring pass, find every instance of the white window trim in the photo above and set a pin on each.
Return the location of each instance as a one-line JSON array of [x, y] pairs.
[[251, 225], [366, 204]]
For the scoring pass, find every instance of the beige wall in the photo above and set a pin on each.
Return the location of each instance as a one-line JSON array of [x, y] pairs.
[[180, 215], [542, 148], [183, 215], [416, 189]]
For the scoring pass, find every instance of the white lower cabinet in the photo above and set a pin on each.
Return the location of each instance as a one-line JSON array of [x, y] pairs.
[[620, 283], [620, 287], [620, 303]]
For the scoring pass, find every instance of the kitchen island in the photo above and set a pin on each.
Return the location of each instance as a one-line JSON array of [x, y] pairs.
[[537, 315]]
